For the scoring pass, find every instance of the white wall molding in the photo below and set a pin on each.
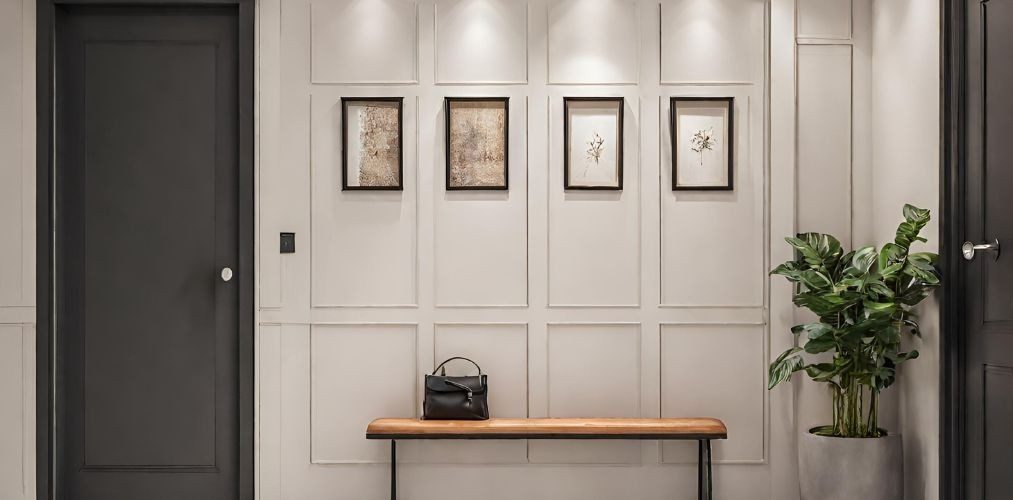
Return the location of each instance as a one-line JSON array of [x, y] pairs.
[[363, 24], [825, 20], [520, 79], [373, 379]]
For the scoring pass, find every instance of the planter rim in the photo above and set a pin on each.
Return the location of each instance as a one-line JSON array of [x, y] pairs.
[[886, 434]]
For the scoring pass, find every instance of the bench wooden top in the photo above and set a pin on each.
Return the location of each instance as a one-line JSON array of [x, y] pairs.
[[549, 428]]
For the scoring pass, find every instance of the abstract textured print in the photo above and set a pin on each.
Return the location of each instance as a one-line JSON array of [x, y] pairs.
[[477, 146], [379, 156]]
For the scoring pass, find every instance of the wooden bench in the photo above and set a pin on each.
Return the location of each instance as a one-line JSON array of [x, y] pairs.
[[702, 430]]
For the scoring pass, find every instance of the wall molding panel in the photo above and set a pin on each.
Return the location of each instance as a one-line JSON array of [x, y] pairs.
[[825, 19], [370, 368], [585, 362], [364, 42], [825, 139], [481, 237], [696, 260], [603, 228], [362, 232], [735, 387], [17, 249], [17, 411], [593, 42], [735, 29], [484, 42]]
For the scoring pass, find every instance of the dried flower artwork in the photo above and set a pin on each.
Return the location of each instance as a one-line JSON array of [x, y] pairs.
[[702, 140], [477, 144], [702, 135], [380, 150], [596, 147], [593, 147]]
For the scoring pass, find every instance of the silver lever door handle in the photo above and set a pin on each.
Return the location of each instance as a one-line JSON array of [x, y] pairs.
[[226, 274], [969, 249]]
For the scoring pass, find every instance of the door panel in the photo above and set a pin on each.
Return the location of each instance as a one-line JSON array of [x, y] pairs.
[[147, 212], [998, 413], [988, 300], [997, 171]]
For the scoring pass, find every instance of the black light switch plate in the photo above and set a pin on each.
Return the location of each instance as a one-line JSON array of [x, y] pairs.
[[287, 242]]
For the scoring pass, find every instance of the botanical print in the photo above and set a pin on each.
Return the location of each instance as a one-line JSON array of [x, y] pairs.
[[701, 143], [371, 143], [596, 148], [477, 140], [702, 140], [593, 142], [380, 149]]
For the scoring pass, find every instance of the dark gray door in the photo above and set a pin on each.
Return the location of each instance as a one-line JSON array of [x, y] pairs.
[[989, 274], [147, 370]]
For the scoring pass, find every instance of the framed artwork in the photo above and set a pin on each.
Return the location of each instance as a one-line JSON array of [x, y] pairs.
[[593, 143], [703, 139], [371, 138], [477, 135]]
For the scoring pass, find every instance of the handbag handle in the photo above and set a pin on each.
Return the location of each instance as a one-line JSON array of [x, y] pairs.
[[453, 358]]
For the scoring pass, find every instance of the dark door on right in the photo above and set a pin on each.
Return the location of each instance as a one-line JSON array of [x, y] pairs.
[[989, 271]]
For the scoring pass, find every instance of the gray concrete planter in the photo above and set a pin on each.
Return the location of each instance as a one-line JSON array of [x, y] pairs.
[[833, 468]]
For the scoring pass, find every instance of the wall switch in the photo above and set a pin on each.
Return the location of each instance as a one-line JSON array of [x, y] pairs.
[[287, 242]]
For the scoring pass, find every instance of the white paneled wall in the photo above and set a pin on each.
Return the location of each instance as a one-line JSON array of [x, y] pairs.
[[593, 42], [639, 302], [17, 249], [825, 139], [834, 168]]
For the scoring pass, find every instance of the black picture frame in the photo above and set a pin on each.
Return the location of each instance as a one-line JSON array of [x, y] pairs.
[[673, 129], [620, 103], [447, 106], [345, 102]]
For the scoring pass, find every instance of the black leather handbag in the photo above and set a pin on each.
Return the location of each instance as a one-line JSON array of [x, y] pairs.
[[456, 398]]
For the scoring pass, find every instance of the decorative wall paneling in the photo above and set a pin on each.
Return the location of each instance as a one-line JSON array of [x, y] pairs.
[[592, 369], [355, 234], [593, 42], [708, 42], [364, 42], [17, 147], [736, 353], [594, 237], [481, 237], [17, 249], [834, 147], [481, 42], [726, 265], [563, 297], [17, 411], [825, 140], [825, 19], [358, 371]]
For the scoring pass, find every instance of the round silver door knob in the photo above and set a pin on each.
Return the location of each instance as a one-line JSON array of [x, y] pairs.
[[969, 249], [226, 274]]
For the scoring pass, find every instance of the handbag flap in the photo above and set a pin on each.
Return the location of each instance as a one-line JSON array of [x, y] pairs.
[[438, 383]]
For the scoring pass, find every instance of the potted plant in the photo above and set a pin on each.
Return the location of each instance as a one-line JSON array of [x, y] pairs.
[[864, 302]]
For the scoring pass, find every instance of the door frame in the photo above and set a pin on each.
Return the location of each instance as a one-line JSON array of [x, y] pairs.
[[952, 197], [45, 395]]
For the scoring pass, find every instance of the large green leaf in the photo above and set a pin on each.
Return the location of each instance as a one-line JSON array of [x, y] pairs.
[[863, 259], [820, 344], [914, 220], [812, 330], [786, 364]]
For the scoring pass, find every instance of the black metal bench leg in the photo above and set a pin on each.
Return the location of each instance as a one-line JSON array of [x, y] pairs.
[[704, 481], [393, 469]]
